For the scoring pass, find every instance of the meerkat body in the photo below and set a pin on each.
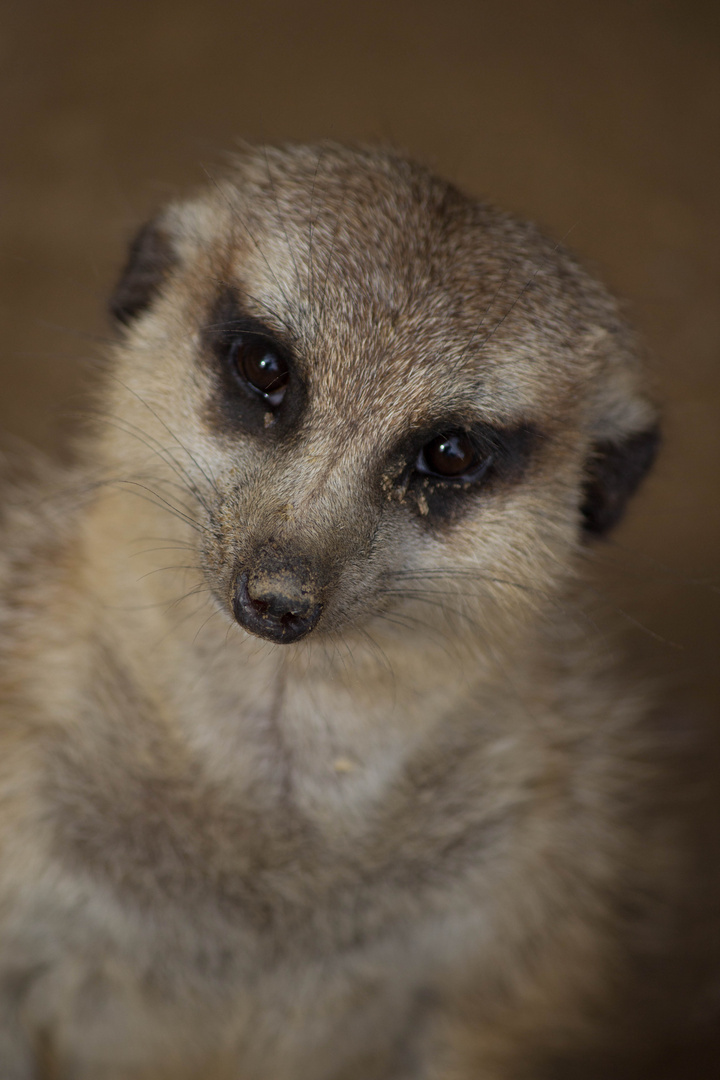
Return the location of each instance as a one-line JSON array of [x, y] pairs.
[[311, 764]]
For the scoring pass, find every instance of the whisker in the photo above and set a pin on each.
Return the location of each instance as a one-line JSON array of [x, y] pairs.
[[204, 624], [479, 575], [163, 569], [167, 547], [222, 324], [311, 268], [238, 220], [281, 218], [169, 430], [665, 571], [319, 322], [163, 453], [408, 622], [378, 648], [158, 501]]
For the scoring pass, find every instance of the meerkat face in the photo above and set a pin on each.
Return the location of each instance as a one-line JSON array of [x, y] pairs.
[[375, 392]]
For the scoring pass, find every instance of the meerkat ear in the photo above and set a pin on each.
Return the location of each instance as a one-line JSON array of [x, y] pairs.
[[613, 473], [150, 259]]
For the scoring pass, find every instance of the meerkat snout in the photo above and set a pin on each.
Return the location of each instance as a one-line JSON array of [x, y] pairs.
[[277, 601]]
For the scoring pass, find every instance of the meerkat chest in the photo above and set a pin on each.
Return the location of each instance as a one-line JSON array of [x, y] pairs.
[[302, 824], [322, 843], [211, 920], [293, 861]]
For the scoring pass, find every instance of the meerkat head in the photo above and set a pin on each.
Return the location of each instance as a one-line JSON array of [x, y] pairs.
[[373, 390]]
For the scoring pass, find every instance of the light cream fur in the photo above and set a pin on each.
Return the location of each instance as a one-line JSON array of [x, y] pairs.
[[434, 839]]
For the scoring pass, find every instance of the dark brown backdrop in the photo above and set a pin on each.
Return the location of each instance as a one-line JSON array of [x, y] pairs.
[[600, 120]]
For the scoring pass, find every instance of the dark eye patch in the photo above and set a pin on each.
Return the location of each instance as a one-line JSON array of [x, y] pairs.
[[257, 384], [458, 464]]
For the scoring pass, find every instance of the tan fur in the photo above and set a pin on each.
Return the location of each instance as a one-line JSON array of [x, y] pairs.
[[431, 839]]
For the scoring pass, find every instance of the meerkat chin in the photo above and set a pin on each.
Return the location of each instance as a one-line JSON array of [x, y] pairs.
[[312, 766]]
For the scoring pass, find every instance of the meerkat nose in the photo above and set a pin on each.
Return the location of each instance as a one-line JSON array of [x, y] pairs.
[[278, 605]]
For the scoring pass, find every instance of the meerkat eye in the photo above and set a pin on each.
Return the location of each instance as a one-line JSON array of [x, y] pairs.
[[452, 457], [262, 368]]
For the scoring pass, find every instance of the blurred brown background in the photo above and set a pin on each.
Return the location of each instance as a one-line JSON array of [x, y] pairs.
[[599, 120]]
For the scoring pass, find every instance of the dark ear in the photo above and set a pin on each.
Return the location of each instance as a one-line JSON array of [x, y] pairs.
[[150, 259], [613, 473]]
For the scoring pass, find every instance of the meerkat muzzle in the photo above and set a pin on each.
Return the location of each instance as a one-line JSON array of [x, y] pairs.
[[275, 604]]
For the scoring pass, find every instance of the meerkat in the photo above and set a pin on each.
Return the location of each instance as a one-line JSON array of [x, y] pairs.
[[313, 764]]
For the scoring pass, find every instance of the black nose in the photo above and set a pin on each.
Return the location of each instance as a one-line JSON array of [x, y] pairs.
[[279, 605]]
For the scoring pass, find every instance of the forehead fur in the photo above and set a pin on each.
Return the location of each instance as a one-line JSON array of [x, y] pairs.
[[386, 275]]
